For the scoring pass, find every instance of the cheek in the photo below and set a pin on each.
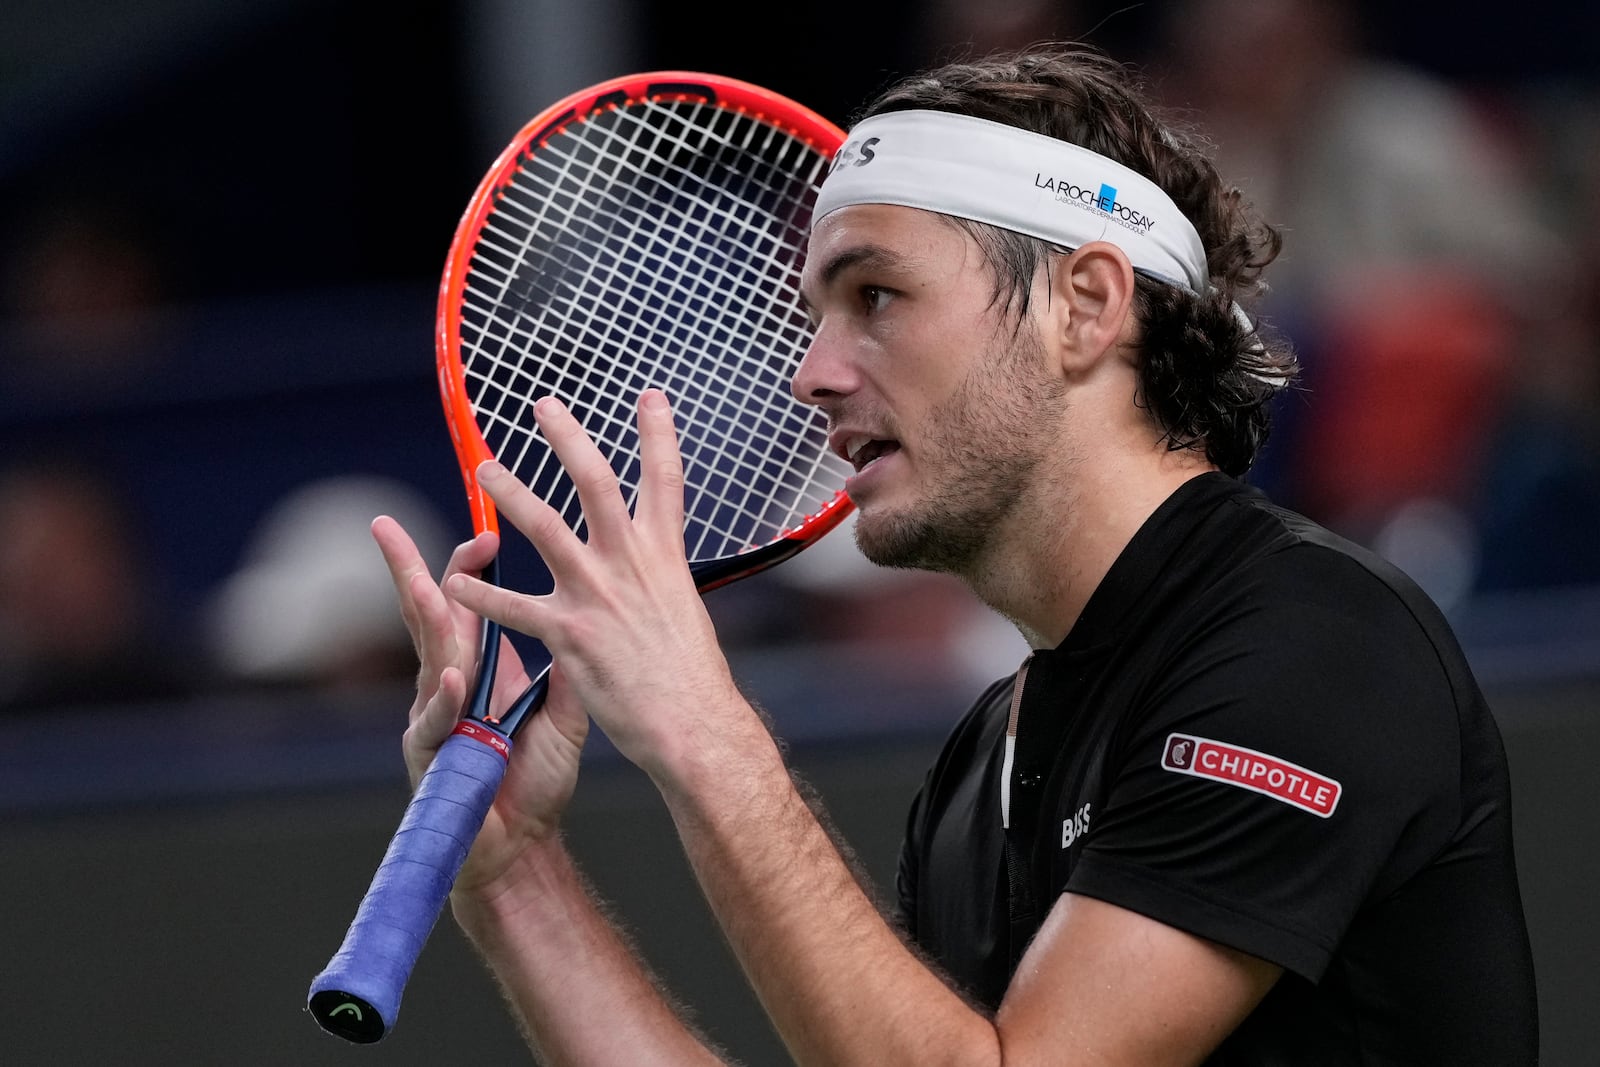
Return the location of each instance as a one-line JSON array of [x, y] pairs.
[[928, 363]]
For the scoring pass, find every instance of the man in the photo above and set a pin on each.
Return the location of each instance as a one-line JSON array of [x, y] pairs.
[[1244, 803]]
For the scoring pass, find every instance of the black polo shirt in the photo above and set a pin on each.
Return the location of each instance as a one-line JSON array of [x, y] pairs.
[[1268, 737]]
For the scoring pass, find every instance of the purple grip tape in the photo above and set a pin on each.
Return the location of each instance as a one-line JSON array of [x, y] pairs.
[[357, 996]]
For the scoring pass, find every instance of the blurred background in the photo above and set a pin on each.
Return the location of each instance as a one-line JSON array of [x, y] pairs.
[[221, 227]]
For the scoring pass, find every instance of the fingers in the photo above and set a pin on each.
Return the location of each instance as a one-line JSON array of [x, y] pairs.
[[400, 555], [542, 524], [433, 633], [405, 562], [439, 717], [614, 533], [599, 491], [661, 484], [471, 557], [600, 494], [515, 610], [432, 722], [437, 630]]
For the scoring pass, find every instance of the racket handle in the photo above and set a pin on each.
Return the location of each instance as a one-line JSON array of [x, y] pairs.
[[357, 996]]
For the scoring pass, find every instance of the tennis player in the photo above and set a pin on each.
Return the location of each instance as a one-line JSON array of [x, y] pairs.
[[1244, 802]]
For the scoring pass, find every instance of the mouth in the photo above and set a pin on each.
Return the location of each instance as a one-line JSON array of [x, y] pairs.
[[861, 451]]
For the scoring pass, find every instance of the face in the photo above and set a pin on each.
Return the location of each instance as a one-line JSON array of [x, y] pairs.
[[942, 403]]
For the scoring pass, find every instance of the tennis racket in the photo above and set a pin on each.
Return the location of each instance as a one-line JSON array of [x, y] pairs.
[[646, 231]]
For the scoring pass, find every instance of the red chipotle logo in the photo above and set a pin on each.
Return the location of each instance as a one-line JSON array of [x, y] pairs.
[[1249, 769]]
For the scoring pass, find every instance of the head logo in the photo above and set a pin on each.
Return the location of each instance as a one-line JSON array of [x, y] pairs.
[[855, 154]]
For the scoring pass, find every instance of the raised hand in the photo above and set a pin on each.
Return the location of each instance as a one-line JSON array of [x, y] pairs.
[[543, 768], [624, 621]]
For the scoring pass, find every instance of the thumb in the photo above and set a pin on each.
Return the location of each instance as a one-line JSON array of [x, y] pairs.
[[564, 708]]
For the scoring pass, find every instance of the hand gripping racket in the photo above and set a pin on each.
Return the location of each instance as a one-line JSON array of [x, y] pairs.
[[646, 231]]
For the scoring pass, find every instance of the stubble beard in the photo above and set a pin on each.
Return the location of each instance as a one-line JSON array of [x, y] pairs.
[[985, 445]]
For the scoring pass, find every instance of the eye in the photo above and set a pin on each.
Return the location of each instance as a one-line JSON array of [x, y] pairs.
[[874, 298]]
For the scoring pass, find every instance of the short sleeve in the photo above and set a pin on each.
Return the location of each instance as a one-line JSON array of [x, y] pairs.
[[1298, 752]]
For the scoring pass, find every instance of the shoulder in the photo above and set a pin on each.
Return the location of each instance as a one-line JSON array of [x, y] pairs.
[[1292, 639], [1307, 646], [1305, 584]]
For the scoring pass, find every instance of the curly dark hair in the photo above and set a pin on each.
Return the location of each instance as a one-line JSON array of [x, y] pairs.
[[1206, 372]]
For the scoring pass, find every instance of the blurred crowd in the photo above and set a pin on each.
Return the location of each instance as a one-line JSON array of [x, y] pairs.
[[1440, 278]]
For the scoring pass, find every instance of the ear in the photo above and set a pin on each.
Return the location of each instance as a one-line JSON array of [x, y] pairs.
[[1091, 300]]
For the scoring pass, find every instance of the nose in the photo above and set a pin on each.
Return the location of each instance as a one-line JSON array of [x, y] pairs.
[[825, 372]]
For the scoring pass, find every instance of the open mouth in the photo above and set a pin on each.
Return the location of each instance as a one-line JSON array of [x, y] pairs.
[[865, 453]]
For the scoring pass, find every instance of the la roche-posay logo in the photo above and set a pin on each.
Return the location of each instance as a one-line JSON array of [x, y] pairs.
[[1100, 199]]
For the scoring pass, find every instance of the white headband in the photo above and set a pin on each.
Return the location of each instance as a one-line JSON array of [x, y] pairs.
[[1018, 180]]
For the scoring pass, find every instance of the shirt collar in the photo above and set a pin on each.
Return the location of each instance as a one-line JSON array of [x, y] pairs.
[[1151, 553]]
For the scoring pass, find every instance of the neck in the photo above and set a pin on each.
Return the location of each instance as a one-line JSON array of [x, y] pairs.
[[1063, 539]]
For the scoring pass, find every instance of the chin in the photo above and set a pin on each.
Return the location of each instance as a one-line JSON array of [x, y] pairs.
[[909, 541]]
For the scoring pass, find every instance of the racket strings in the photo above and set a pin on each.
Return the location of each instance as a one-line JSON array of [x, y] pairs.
[[587, 310], [682, 379], [656, 244]]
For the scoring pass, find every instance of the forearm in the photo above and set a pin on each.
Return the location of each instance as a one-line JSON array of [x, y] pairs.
[[580, 993], [837, 981]]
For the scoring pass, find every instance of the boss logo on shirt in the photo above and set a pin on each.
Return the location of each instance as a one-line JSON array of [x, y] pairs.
[[1075, 827], [1219, 761]]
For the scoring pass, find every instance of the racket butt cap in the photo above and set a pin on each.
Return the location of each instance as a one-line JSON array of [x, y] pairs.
[[346, 1015]]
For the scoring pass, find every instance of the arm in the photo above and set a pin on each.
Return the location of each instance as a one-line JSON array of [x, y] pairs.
[[572, 980], [1101, 985]]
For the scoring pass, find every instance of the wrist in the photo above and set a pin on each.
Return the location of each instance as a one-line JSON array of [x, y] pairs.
[[728, 783], [535, 875], [722, 753]]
